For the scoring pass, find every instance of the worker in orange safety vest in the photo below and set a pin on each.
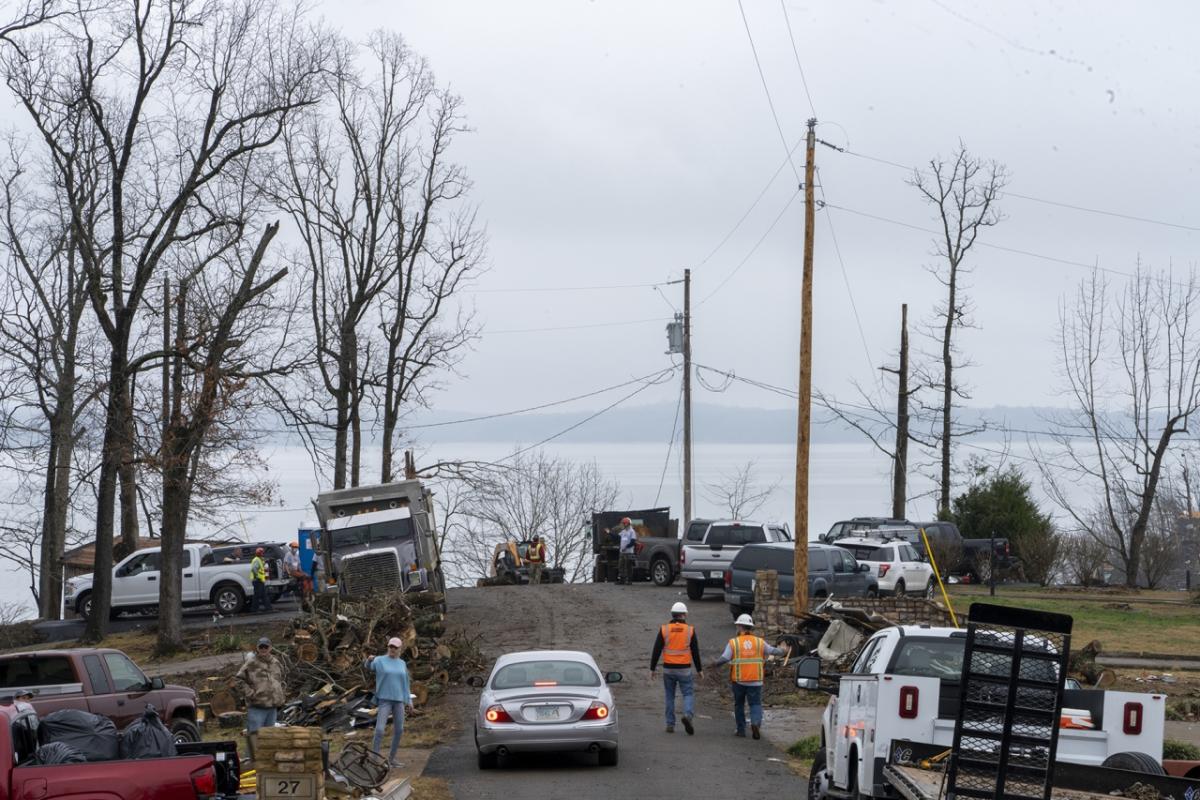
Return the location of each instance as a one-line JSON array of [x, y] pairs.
[[680, 650], [535, 554], [746, 655]]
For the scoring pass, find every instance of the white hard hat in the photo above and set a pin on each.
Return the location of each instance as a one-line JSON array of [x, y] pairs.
[[679, 608], [745, 619]]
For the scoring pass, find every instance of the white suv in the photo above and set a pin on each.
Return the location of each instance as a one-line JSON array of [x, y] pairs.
[[897, 565]]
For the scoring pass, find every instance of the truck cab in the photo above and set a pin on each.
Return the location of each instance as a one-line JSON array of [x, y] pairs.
[[904, 686], [380, 538]]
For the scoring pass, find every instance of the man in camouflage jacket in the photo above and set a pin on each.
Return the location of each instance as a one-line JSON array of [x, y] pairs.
[[260, 683]]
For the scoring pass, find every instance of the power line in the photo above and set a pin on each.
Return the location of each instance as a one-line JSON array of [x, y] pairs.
[[653, 376], [581, 327], [670, 446], [796, 53], [567, 288], [665, 374], [753, 249], [1057, 203], [770, 102]]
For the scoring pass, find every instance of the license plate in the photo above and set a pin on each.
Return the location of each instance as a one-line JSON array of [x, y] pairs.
[[716, 574], [547, 712]]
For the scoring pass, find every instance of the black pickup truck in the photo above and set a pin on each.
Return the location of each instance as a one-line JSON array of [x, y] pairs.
[[657, 557], [974, 561]]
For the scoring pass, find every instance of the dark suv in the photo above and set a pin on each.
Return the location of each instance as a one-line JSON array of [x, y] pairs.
[[831, 571]]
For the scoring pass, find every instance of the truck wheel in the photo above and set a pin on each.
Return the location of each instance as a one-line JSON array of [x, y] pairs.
[[660, 572], [872, 591], [695, 589], [228, 598], [735, 611], [83, 606], [899, 590], [1134, 762], [598, 573], [184, 731], [931, 588], [983, 569], [818, 781]]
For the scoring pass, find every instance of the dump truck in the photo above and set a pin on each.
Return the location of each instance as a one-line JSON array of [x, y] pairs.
[[657, 556], [380, 538]]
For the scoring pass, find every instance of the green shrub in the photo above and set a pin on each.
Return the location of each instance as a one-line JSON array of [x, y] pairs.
[[807, 748], [1182, 751], [228, 642]]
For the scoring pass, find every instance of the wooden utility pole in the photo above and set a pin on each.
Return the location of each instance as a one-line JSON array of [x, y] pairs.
[[900, 465], [800, 593], [687, 398]]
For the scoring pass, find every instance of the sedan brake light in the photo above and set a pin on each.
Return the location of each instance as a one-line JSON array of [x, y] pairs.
[[497, 714], [883, 569], [596, 710], [204, 781]]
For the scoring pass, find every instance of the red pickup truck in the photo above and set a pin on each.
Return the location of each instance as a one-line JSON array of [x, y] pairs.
[[184, 777], [101, 681]]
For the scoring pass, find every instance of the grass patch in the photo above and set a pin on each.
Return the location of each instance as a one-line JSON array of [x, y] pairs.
[[425, 788], [1152, 627], [1183, 710], [807, 748], [436, 724], [1182, 751]]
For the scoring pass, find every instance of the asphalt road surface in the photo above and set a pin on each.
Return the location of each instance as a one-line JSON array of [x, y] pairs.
[[198, 617], [617, 625]]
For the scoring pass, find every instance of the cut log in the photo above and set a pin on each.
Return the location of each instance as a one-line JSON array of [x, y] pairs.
[[222, 702], [420, 694]]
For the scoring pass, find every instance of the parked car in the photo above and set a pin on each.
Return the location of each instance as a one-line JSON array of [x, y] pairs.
[[710, 546], [657, 556], [832, 571], [206, 581], [100, 681], [546, 701], [972, 558], [898, 566]]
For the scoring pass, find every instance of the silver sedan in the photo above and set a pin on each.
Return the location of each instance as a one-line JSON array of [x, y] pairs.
[[546, 701]]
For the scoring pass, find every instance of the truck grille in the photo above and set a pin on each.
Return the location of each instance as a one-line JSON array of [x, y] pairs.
[[369, 572]]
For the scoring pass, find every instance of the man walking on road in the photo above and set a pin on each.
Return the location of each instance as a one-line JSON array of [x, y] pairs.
[[680, 650], [535, 554], [746, 655], [258, 579], [627, 550], [260, 682]]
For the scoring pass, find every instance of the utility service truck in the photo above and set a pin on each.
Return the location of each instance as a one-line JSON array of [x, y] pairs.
[[380, 537]]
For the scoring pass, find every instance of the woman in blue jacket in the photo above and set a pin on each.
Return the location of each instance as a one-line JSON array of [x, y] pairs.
[[392, 692]]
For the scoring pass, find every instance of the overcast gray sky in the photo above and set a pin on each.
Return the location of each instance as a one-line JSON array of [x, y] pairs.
[[618, 142]]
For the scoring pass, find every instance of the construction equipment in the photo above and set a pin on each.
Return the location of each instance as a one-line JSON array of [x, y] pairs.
[[509, 566]]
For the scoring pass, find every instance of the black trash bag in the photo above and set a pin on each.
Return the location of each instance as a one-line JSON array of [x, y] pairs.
[[58, 753], [147, 737], [93, 735], [25, 735]]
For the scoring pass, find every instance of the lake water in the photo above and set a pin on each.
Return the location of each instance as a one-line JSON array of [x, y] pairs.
[[851, 479]]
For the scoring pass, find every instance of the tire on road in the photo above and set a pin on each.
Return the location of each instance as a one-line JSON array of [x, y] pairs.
[[661, 572], [184, 731], [817, 781], [899, 590], [695, 589], [608, 758], [229, 598], [1135, 762]]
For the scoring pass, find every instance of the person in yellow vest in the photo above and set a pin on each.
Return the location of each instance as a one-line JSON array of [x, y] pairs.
[[258, 579], [746, 654], [680, 650], [535, 554]]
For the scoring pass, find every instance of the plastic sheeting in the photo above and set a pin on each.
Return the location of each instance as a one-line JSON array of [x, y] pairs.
[[839, 640]]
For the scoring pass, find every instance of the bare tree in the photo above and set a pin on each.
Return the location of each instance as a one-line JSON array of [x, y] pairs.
[[533, 494], [1131, 363], [386, 242], [141, 111], [963, 192], [41, 328], [739, 493], [1085, 560]]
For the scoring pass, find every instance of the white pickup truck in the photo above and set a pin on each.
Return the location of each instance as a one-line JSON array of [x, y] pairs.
[[904, 686], [135, 583]]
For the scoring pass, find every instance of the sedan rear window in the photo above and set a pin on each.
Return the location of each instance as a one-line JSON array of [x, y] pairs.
[[545, 673]]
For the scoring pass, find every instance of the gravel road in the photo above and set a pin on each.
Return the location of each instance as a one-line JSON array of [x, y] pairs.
[[617, 625]]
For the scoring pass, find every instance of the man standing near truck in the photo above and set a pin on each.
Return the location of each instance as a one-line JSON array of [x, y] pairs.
[[535, 554], [627, 551], [260, 683], [258, 579], [746, 654], [680, 650]]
